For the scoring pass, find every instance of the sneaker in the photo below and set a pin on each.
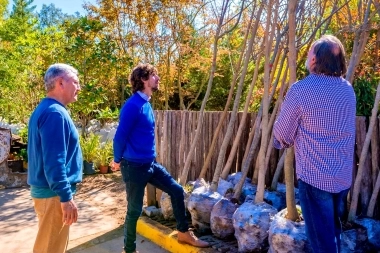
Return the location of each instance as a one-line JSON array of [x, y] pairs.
[[189, 238]]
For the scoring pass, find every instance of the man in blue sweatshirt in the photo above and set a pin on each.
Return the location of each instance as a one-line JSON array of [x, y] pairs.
[[135, 154], [55, 160]]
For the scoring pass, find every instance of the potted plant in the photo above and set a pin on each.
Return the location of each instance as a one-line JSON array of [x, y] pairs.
[[90, 147], [105, 153], [15, 162], [24, 156]]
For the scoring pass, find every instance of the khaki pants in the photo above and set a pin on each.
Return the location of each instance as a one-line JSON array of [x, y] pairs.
[[52, 236]]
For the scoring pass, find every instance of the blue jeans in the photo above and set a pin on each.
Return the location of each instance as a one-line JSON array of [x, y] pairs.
[[136, 176], [322, 212]]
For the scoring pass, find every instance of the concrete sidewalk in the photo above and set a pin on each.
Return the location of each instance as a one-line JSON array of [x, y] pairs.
[[94, 232]]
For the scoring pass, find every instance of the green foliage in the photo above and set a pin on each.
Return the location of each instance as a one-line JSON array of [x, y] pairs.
[[107, 115], [105, 153], [365, 91], [23, 133], [24, 154], [90, 146]]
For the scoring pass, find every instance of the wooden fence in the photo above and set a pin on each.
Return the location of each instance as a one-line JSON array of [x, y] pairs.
[[173, 144]]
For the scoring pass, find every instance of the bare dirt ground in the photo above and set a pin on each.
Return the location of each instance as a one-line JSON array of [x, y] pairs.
[[106, 192]]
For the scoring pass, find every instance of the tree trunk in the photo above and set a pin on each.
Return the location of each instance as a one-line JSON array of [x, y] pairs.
[[242, 125], [247, 162], [355, 193], [227, 137], [289, 157], [210, 153], [280, 166], [372, 202], [360, 41], [190, 155], [264, 122]]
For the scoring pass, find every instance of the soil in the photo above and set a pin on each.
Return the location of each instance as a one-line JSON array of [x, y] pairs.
[[106, 192]]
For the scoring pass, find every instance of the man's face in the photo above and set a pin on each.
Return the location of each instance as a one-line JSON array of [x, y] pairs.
[[153, 82], [71, 88]]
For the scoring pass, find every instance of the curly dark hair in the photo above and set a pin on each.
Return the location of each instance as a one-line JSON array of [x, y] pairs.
[[330, 56], [139, 73]]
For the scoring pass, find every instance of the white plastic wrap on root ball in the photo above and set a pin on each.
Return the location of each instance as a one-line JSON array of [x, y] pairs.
[[251, 222], [197, 183], [373, 231], [200, 204], [166, 206], [234, 178], [224, 187], [287, 236], [248, 189], [221, 218], [275, 199], [355, 241]]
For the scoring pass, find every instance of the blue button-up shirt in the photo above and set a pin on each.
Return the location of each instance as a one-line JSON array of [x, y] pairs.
[[318, 118]]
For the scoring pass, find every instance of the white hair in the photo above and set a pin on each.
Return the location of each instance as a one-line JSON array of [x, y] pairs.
[[56, 71]]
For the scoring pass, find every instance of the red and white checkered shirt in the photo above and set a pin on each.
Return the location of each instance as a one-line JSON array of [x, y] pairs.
[[318, 118]]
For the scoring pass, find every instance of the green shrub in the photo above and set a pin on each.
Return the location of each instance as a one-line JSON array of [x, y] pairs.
[[90, 146], [365, 91]]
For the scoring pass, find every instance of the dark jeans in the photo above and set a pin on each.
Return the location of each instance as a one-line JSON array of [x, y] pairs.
[[322, 212], [136, 176]]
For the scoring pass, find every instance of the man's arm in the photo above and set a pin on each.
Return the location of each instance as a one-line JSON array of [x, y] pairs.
[[286, 125], [54, 137]]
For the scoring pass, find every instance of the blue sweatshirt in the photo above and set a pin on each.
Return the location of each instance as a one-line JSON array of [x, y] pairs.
[[55, 158], [134, 139]]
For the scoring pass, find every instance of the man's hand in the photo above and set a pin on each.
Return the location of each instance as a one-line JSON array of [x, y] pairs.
[[114, 166], [70, 212]]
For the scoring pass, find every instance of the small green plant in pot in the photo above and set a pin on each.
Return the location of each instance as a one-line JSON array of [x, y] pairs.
[[90, 149], [104, 156], [24, 156]]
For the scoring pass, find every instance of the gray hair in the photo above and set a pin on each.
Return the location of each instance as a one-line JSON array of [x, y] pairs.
[[58, 70]]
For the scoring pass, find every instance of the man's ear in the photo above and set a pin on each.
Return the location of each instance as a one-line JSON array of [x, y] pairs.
[[143, 80], [59, 83]]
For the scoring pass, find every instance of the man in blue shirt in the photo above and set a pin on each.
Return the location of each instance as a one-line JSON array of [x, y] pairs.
[[55, 160], [318, 118], [135, 153]]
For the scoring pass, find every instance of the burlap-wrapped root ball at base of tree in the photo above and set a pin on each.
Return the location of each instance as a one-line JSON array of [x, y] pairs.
[[200, 204], [221, 218], [251, 222], [286, 235]]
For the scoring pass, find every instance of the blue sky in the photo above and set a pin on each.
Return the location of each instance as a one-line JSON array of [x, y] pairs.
[[67, 6]]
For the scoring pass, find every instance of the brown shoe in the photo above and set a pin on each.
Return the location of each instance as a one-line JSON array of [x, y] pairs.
[[189, 238]]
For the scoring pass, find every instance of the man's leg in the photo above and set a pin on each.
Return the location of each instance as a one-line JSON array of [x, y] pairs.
[[318, 213], [135, 176], [164, 181], [52, 236], [339, 207]]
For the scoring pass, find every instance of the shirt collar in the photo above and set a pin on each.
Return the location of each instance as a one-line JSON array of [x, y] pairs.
[[143, 95]]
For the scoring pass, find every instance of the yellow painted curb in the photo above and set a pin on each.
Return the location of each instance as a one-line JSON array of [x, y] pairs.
[[164, 237]]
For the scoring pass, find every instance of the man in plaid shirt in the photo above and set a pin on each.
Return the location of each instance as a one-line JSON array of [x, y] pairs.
[[318, 118]]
